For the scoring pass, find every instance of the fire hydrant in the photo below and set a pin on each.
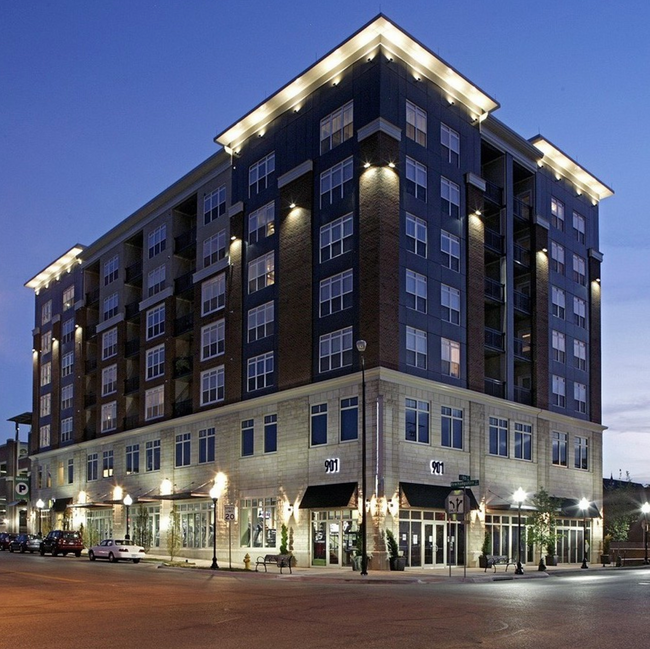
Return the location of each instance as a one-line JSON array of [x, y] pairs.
[[247, 562]]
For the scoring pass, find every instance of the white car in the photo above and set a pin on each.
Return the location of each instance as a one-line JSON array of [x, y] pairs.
[[116, 549]]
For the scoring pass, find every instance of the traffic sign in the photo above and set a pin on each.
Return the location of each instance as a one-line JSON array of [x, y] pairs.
[[459, 484], [457, 503], [22, 487], [229, 513]]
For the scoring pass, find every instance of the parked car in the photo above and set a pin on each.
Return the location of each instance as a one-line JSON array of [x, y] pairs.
[[62, 542], [5, 539], [26, 543], [116, 549]]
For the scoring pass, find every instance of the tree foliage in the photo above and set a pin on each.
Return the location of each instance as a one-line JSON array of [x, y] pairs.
[[621, 509], [541, 522], [174, 538]]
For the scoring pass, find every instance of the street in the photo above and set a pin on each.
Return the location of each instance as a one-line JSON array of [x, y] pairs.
[[68, 602]]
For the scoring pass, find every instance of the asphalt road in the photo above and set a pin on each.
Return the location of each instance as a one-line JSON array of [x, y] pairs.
[[65, 602]]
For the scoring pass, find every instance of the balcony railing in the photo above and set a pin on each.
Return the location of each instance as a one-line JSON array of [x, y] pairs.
[[494, 338], [183, 324], [523, 395], [185, 244], [521, 255], [522, 348], [90, 365], [493, 240], [495, 388], [133, 274], [493, 289], [90, 399], [132, 385], [493, 193], [521, 210], [92, 297], [132, 310], [91, 331], [183, 366], [521, 301], [130, 422], [184, 283], [132, 347], [182, 408]]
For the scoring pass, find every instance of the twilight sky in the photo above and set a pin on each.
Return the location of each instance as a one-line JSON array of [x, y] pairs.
[[105, 104]]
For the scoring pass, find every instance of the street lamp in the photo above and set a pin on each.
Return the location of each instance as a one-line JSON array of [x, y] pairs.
[[215, 494], [39, 505], [519, 496], [128, 501], [361, 348], [584, 506], [645, 508]]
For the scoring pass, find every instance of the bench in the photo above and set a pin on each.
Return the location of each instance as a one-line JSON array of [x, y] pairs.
[[494, 560], [280, 560]]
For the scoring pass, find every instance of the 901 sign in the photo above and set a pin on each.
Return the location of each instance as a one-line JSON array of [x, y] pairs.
[[332, 465], [437, 468]]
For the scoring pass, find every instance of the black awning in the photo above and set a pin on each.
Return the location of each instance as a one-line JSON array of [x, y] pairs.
[[428, 496], [328, 496], [61, 504], [180, 495], [17, 503], [570, 508]]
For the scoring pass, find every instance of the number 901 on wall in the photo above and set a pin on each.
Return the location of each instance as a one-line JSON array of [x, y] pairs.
[[332, 465], [437, 467]]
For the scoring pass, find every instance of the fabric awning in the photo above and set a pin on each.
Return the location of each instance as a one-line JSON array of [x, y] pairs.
[[427, 496], [61, 504], [328, 496], [180, 495], [569, 508], [17, 503]]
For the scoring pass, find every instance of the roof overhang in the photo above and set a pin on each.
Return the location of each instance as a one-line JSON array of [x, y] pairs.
[[378, 34], [64, 264]]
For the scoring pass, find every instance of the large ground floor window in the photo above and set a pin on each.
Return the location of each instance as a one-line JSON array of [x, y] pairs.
[[145, 523], [571, 546], [99, 525], [258, 523], [334, 537], [196, 523], [504, 537], [427, 538]]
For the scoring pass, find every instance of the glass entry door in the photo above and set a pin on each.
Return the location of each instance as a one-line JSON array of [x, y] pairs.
[[434, 544], [334, 537]]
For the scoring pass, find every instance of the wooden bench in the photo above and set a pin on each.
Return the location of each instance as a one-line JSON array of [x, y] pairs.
[[280, 560], [494, 560]]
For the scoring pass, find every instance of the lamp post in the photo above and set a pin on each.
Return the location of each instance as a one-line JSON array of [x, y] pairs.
[[519, 497], [215, 492], [645, 508], [39, 506], [128, 501], [361, 348], [584, 506]]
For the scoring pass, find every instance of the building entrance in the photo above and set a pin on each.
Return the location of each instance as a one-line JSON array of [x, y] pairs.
[[334, 537], [427, 539]]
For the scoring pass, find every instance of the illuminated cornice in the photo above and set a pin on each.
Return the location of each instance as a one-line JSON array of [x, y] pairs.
[[63, 264], [567, 168], [378, 35]]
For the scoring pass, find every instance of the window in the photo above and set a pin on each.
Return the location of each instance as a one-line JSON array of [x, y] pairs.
[[335, 182], [46, 312], [110, 306], [44, 439], [523, 441], [154, 402], [450, 303], [213, 339], [261, 322], [109, 380], [336, 127], [416, 421], [156, 322], [581, 460], [67, 331], [416, 348], [260, 372], [132, 459], [580, 355], [109, 416], [259, 174], [46, 373], [109, 343], [107, 464], [579, 312], [416, 235], [336, 238], [70, 471], [207, 445], [559, 302], [214, 248], [270, 433], [45, 404], [261, 272], [450, 195], [213, 294], [67, 364], [416, 291], [183, 449], [416, 123], [451, 427], [450, 141], [580, 397], [46, 342], [247, 437], [559, 346], [66, 429], [92, 467], [335, 350], [319, 424], [261, 223], [212, 386], [156, 280], [336, 293], [557, 258], [258, 523], [214, 205], [152, 455], [157, 240], [68, 298], [559, 443], [557, 214], [111, 269], [416, 179], [450, 248], [579, 270], [498, 434], [450, 357], [579, 227], [155, 362], [559, 391], [349, 419], [66, 397]]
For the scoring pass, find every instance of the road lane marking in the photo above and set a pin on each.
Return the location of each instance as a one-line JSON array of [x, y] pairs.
[[31, 574]]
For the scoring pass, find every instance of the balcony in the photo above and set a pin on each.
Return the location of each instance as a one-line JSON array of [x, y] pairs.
[[90, 399], [91, 331], [183, 366], [494, 339], [521, 302], [132, 385], [523, 349], [133, 274], [523, 395], [184, 283], [132, 347], [92, 297], [493, 289], [495, 388], [185, 245], [182, 408], [521, 211], [521, 255], [183, 324], [130, 422], [132, 310], [493, 193], [90, 365], [493, 241]]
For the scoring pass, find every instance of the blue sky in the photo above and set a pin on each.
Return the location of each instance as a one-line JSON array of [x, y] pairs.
[[104, 104]]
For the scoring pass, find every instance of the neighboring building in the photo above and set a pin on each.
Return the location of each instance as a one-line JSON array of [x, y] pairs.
[[373, 197], [14, 487]]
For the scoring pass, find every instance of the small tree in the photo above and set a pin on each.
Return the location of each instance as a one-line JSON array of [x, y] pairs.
[[284, 539], [174, 539], [622, 509], [541, 522], [487, 544], [391, 545], [141, 528]]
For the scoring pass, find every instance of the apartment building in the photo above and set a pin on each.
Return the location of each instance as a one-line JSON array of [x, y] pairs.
[[375, 197]]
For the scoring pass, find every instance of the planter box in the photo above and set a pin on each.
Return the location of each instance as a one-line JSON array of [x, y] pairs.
[[397, 563], [550, 560], [605, 559]]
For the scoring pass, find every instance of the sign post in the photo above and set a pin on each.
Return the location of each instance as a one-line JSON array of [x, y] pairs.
[[457, 506], [229, 516]]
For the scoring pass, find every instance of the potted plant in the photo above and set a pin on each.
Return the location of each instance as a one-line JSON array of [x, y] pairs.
[[396, 561], [485, 550], [604, 557]]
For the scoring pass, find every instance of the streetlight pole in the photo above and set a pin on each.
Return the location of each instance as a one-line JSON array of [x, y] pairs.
[[128, 501], [645, 508], [39, 506], [215, 492], [584, 506], [519, 497], [361, 348]]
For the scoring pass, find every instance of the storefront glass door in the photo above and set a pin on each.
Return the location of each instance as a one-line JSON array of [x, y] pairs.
[[334, 537]]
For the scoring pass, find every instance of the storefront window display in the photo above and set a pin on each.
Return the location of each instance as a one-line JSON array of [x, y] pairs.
[[258, 523]]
